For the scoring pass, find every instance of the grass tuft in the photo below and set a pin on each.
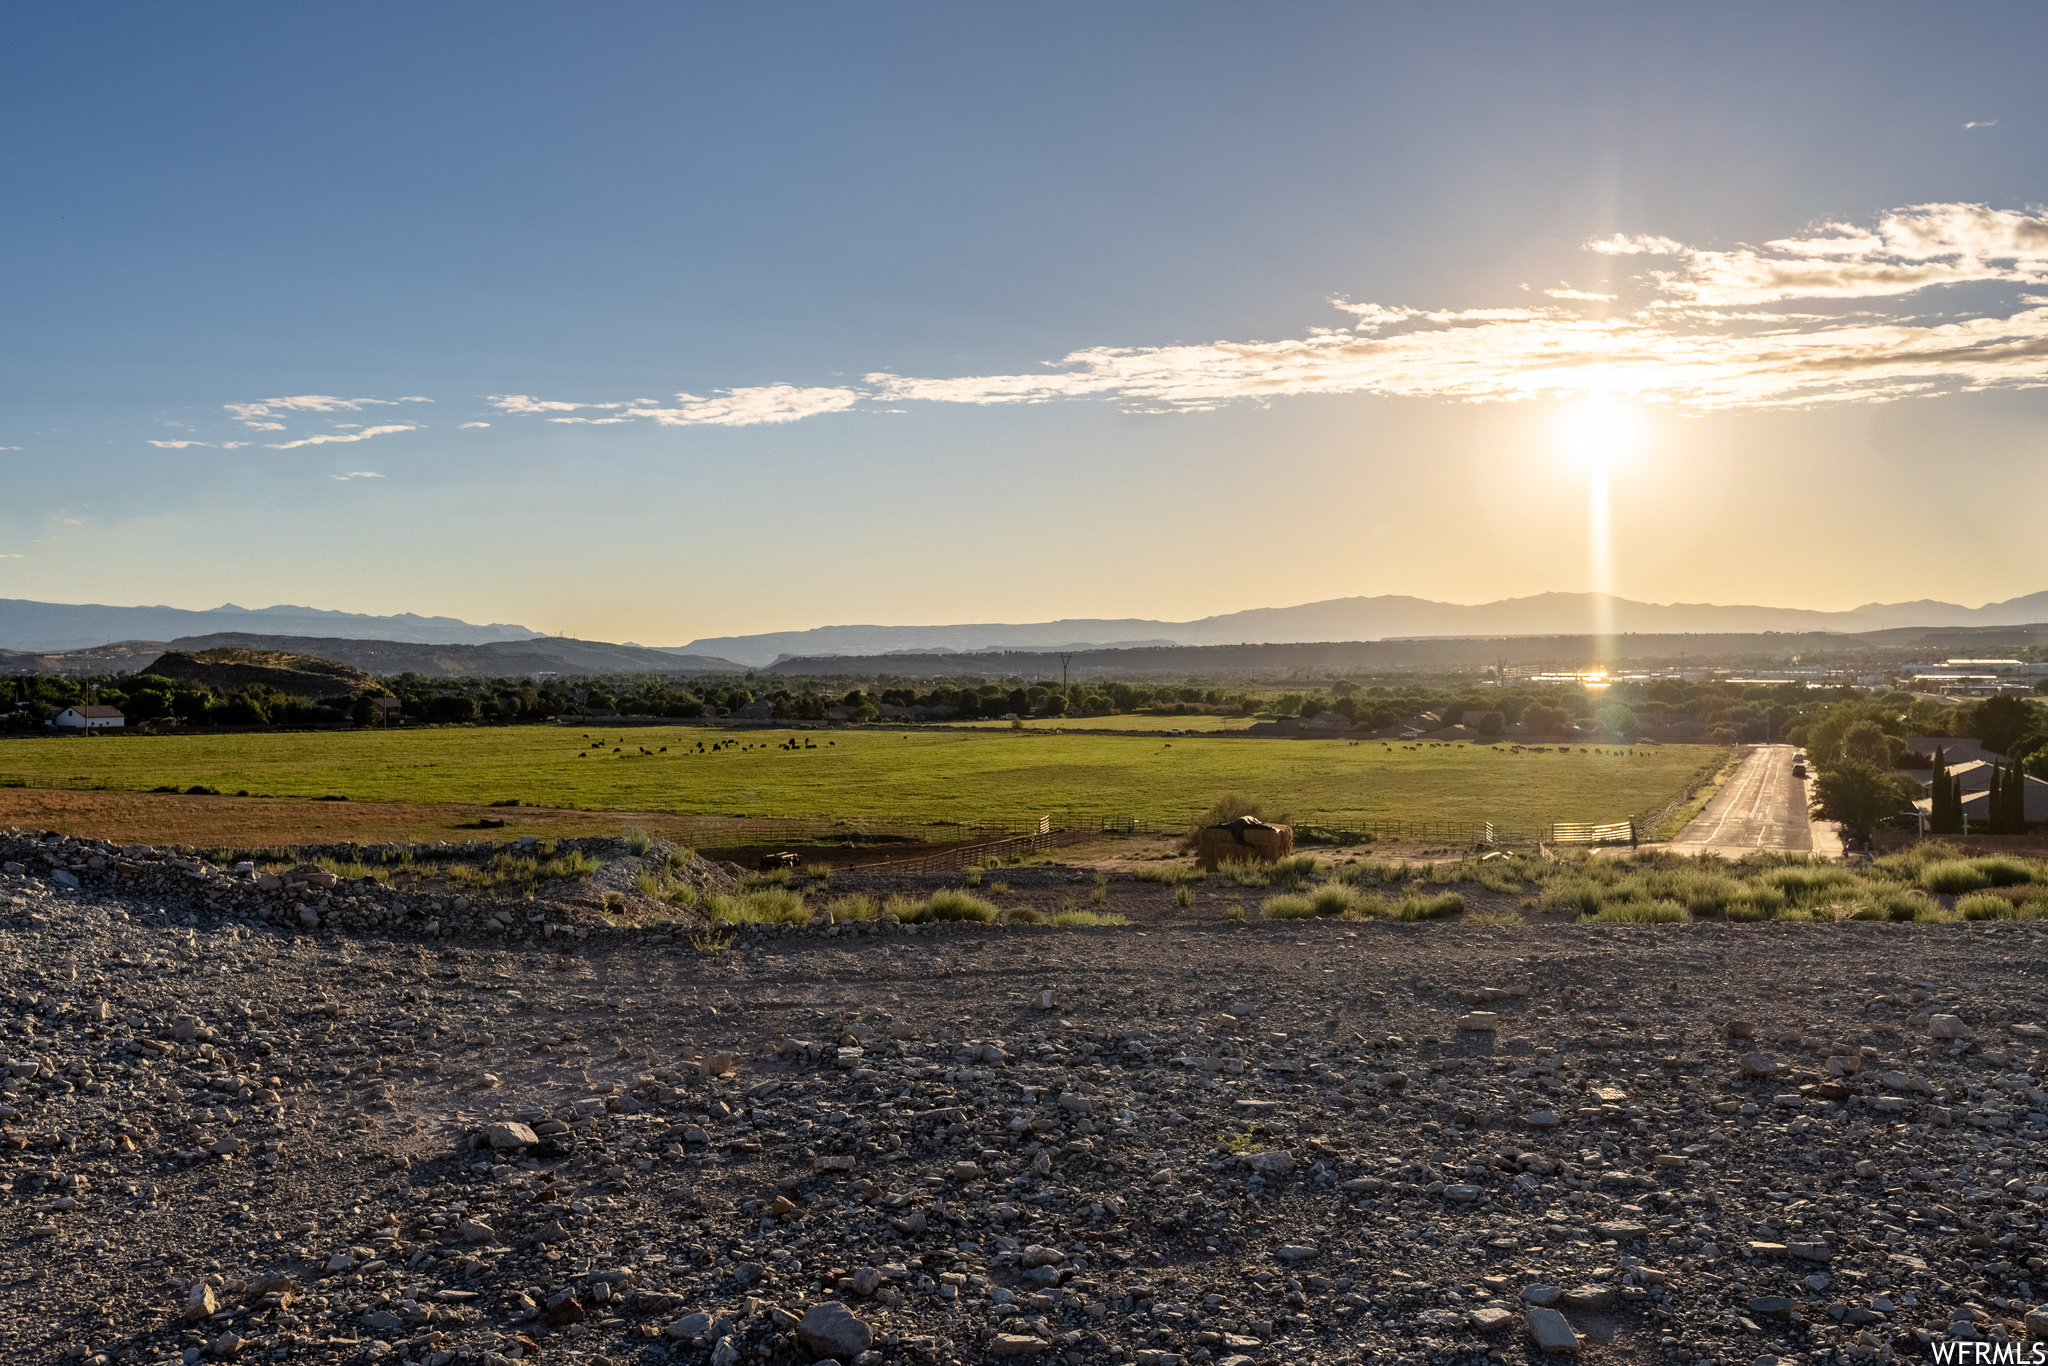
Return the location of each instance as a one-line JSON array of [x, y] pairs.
[[1072, 917], [1287, 906], [1642, 913], [1428, 906]]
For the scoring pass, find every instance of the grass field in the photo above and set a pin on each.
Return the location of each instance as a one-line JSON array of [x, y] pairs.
[[957, 775]]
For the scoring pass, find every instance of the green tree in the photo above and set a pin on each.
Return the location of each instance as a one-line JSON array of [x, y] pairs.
[[1857, 795], [2000, 722], [1945, 814], [1867, 741], [1618, 720]]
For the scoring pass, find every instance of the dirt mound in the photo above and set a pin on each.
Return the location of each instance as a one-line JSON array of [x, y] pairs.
[[228, 670]]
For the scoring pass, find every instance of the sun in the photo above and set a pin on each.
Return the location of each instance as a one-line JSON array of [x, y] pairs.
[[1600, 432]]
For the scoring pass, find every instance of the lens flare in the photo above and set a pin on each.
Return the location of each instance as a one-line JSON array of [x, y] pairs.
[[1600, 432]]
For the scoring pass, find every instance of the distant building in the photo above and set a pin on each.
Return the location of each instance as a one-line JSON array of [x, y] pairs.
[[90, 718]]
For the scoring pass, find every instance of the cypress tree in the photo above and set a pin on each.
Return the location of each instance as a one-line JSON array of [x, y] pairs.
[[1945, 815]]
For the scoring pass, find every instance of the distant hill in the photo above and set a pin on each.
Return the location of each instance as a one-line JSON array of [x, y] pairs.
[[499, 659], [1436, 652], [1363, 619], [45, 626], [227, 670]]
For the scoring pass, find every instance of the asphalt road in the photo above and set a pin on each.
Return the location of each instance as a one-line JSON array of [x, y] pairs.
[[1762, 807]]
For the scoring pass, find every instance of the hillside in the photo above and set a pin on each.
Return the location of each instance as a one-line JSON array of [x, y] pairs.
[[228, 670], [501, 659]]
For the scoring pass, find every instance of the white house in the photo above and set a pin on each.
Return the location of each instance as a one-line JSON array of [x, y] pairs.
[[91, 718]]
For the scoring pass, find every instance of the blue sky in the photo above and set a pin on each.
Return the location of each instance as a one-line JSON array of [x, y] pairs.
[[765, 306]]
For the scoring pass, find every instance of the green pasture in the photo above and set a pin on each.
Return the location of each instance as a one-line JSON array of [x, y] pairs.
[[945, 775]]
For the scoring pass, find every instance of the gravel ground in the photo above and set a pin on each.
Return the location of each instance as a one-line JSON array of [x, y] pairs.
[[1300, 1142]]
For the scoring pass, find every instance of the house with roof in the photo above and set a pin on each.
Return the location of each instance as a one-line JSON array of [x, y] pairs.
[[1974, 777], [89, 718]]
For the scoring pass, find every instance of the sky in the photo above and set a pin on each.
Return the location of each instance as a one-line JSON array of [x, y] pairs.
[[662, 321]]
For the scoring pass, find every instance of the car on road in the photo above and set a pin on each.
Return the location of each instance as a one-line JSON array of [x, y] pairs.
[[1799, 768]]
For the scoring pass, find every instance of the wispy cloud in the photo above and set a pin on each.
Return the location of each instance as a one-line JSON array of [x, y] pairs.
[[1828, 314], [1908, 250], [1715, 333], [330, 438], [356, 474], [727, 408], [254, 413], [1982, 123], [467, 425], [11, 555], [179, 445]]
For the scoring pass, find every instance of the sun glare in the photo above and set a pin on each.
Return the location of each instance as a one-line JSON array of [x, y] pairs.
[[1600, 432]]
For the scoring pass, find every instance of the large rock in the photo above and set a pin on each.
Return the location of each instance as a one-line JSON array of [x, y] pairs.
[[832, 1330], [509, 1137], [1552, 1331]]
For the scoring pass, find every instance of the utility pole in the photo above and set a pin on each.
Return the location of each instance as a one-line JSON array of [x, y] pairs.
[[1063, 671]]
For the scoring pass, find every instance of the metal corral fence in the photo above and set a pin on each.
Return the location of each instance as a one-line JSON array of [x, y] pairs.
[[970, 855], [1072, 826]]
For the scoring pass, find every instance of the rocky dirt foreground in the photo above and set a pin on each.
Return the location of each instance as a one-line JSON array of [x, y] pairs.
[[1298, 1142]]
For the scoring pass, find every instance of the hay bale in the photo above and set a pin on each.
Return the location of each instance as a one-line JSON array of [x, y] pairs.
[[1243, 841]]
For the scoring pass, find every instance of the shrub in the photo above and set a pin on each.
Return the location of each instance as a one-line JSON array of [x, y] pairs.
[[638, 842], [1986, 906], [2003, 870], [1183, 896], [1424, 906], [1023, 915], [948, 903], [1701, 893], [1287, 906], [1756, 903], [1883, 903], [1953, 876], [1171, 874], [1574, 894], [1070, 917], [1805, 882], [854, 907], [1497, 919], [1934, 913], [769, 906], [1643, 913], [1243, 873], [774, 877], [1333, 898], [973, 877], [1234, 911]]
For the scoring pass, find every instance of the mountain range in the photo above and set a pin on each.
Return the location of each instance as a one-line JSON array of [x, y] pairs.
[[38, 627], [1365, 618], [26, 625]]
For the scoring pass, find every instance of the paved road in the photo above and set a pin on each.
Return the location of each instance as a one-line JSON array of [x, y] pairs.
[[1762, 807]]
